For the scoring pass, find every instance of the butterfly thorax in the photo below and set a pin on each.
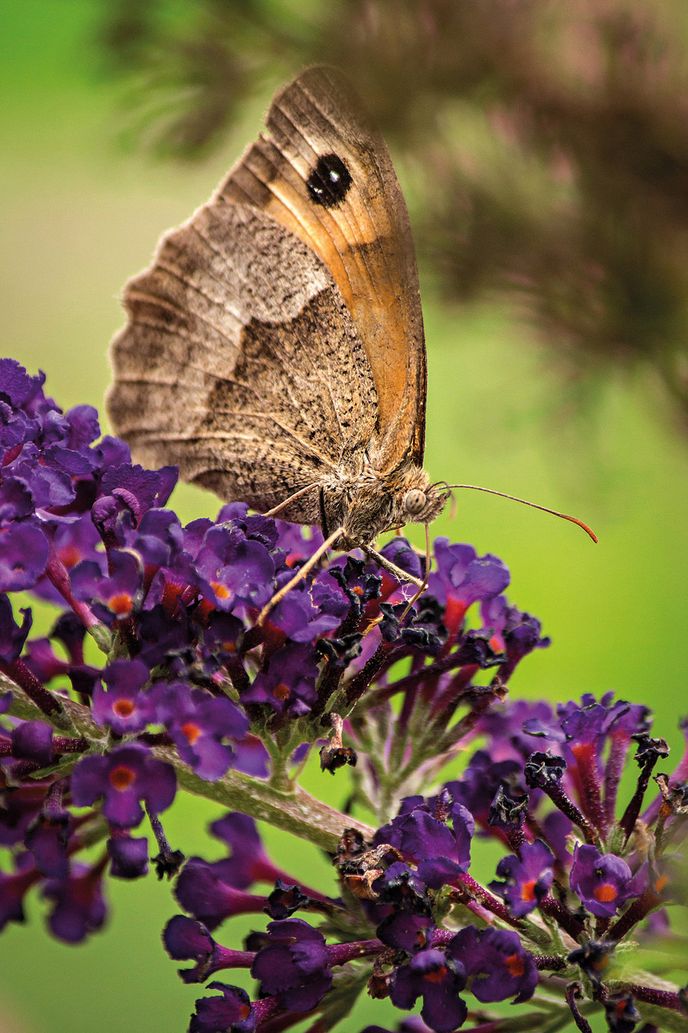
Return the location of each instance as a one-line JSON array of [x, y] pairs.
[[371, 503]]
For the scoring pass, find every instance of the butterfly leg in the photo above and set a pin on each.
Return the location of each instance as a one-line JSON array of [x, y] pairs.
[[428, 563], [323, 513], [300, 574], [392, 568], [276, 510]]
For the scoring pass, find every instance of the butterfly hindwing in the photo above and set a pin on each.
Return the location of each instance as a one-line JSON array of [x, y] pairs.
[[240, 362]]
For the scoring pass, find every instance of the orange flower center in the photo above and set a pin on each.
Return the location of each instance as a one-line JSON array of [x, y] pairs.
[[192, 731], [515, 965], [221, 591], [70, 556], [454, 614], [281, 692], [122, 777], [170, 595], [605, 893], [436, 975], [124, 707], [121, 604], [528, 890], [582, 750]]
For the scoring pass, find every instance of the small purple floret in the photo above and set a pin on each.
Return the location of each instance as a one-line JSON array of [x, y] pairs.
[[124, 707], [293, 965], [423, 834], [527, 879], [128, 856], [437, 978], [231, 1012], [496, 964], [79, 907], [202, 726], [603, 881], [128, 775]]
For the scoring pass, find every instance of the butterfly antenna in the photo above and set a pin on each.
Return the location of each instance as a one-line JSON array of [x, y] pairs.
[[533, 505]]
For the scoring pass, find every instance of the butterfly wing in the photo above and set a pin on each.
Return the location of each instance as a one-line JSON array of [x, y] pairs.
[[240, 362], [278, 333], [327, 177]]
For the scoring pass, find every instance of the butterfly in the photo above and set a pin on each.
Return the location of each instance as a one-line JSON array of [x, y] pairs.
[[274, 349]]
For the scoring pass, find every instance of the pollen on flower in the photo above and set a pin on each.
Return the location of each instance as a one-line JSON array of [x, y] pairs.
[[281, 691], [661, 882], [121, 604], [122, 777]]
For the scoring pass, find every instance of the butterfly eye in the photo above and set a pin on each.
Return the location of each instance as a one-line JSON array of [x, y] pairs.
[[414, 501]]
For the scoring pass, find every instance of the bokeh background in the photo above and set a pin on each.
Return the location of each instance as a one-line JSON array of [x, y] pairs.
[[544, 153]]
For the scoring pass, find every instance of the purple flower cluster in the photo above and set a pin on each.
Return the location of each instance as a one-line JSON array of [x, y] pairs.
[[162, 667], [185, 668], [413, 957], [427, 932]]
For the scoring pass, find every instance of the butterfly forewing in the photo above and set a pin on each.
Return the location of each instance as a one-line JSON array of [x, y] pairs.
[[326, 176], [240, 362], [276, 341]]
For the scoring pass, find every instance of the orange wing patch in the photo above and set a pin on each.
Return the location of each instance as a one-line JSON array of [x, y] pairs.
[[326, 176]]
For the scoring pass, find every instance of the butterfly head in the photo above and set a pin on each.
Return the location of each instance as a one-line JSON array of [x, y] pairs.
[[421, 502], [385, 503]]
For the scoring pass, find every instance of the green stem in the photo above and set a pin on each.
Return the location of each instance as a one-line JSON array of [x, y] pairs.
[[297, 812]]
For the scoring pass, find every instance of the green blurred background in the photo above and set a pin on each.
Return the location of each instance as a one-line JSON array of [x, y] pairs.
[[83, 204]]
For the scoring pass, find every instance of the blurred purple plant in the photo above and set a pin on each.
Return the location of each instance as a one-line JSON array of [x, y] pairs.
[[544, 143], [177, 684]]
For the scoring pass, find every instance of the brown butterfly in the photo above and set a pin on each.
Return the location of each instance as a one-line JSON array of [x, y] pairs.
[[274, 349]]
